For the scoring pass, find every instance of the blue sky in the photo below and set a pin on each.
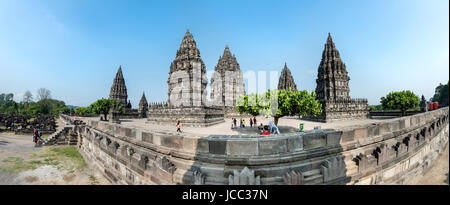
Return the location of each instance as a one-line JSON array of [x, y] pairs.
[[74, 47]]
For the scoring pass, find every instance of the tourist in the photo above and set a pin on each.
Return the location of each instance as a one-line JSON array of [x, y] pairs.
[[266, 131], [273, 128], [254, 120], [261, 128], [178, 126], [35, 137], [251, 122], [243, 123], [234, 121], [240, 125]]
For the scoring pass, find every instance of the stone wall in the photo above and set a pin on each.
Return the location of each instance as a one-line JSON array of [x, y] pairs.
[[189, 116], [389, 152]]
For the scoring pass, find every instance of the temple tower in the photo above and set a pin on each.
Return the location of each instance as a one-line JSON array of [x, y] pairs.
[[187, 77], [118, 89], [143, 106], [286, 80], [333, 91], [227, 82], [332, 78]]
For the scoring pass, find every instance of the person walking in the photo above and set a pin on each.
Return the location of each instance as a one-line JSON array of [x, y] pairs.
[[35, 137], [251, 122], [235, 122], [240, 125], [178, 126]]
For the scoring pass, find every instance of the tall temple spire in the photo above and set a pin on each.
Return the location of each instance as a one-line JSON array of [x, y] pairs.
[[286, 80], [332, 78], [235, 83], [118, 89], [187, 56]]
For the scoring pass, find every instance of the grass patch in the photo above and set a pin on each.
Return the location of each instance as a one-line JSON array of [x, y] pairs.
[[93, 180], [62, 157], [17, 164]]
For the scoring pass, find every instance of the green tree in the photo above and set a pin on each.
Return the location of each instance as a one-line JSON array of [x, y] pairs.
[[103, 106], [83, 111], [288, 103], [402, 100], [441, 94]]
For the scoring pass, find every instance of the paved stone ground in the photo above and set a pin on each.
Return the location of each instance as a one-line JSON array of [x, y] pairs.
[[21, 146], [285, 125], [438, 174]]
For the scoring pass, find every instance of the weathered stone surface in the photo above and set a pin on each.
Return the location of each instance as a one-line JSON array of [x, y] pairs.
[[273, 146], [295, 143], [314, 140], [245, 177], [294, 178], [333, 168], [217, 147], [242, 148]]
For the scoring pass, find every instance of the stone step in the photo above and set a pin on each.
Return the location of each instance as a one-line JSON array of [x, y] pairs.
[[311, 173], [316, 179]]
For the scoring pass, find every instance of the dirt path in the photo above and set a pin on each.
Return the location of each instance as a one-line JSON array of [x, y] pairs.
[[22, 163]]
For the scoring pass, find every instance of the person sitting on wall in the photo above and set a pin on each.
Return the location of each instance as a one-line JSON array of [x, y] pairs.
[[261, 128], [273, 128], [266, 131]]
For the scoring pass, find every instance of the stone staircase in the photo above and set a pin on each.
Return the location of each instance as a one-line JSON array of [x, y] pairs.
[[313, 177], [61, 137]]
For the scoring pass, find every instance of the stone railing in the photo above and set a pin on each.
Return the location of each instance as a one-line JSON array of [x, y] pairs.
[[391, 151]]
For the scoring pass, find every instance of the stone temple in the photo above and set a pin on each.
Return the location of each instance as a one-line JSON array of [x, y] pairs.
[[187, 91], [119, 93], [227, 83], [286, 80], [332, 88]]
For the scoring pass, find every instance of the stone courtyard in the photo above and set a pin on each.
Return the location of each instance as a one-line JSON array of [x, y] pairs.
[[285, 125]]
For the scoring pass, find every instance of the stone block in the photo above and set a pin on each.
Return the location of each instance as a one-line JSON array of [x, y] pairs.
[[333, 138], [172, 142], [314, 140], [242, 147], [190, 144], [202, 145], [360, 133], [147, 137], [383, 128], [295, 143], [217, 146], [394, 125], [347, 135], [273, 146], [373, 130]]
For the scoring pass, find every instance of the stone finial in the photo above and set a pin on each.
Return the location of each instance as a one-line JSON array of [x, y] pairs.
[[333, 168], [245, 177], [294, 178]]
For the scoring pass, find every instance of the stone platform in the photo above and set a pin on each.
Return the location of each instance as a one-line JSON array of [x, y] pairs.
[[189, 116]]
